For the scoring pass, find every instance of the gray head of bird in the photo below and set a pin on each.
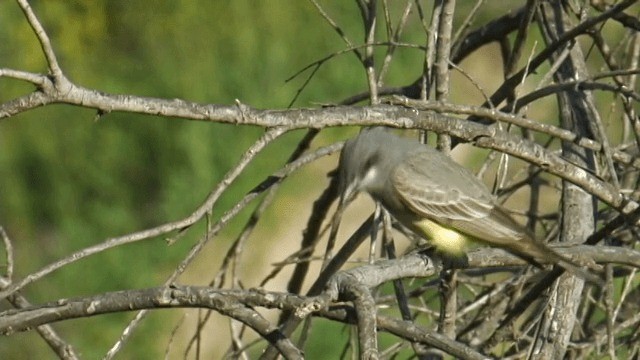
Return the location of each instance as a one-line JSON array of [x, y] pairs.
[[367, 161]]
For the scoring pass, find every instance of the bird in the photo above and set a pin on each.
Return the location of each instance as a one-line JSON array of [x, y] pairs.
[[437, 198]]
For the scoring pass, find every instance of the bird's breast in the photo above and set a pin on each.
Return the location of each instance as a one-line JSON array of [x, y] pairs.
[[444, 239]]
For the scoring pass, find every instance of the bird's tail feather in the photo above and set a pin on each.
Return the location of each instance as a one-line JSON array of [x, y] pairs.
[[569, 265]]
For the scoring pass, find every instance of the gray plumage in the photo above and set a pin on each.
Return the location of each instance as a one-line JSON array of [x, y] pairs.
[[436, 197]]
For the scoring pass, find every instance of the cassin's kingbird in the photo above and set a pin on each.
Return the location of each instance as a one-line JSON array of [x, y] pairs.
[[436, 198]]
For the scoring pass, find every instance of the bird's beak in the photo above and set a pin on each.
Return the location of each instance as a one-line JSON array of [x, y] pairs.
[[348, 194]]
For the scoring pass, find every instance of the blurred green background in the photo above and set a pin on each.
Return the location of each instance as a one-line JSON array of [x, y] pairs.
[[68, 181]]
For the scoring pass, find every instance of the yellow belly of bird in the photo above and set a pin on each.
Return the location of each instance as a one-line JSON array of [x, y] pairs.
[[444, 239]]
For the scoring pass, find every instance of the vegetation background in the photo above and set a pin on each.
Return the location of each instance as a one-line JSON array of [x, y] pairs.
[[68, 180]]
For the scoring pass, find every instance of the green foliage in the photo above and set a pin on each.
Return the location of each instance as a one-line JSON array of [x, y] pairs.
[[68, 181]]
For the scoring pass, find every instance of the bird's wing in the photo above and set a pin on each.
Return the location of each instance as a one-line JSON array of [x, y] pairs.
[[437, 188]]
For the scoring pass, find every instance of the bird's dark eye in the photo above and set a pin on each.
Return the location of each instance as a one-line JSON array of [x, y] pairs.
[[370, 162]]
